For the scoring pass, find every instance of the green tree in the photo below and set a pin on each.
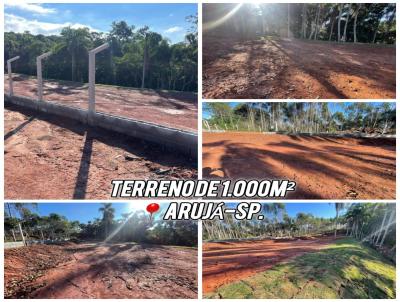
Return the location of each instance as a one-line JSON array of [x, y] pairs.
[[108, 217], [77, 42]]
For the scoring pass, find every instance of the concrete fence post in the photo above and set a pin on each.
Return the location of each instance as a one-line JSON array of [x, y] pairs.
[[92, 77], [39, 73], [22, 233], [10, 82]]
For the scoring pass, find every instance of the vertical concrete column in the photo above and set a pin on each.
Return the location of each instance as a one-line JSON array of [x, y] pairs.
[[92, 78], [10, 81], [39, 73], [22, 233]]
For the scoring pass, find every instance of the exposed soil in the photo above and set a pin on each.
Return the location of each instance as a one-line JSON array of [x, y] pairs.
[[167, 108], [324, 167], [100, 271], [297, 69], [49, 157], [226, 262]]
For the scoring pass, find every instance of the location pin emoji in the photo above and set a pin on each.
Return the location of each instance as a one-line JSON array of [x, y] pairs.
[[152, 208]]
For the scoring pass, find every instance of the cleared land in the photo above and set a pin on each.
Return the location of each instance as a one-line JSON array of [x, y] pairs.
[[48, 157], [100, 271], [297, 69], [343, 269], [229, 261], [323, 167], [167, 108]]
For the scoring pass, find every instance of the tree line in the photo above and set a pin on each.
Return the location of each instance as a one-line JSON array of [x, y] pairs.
[[23, 223], [301, 117], [136, 57], [371, 223], [341, 22]]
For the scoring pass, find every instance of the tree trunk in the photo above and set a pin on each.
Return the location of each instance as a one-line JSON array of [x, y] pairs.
[[73, 67], [304, 21], [375, 32], [339, 20], [312, 30], [381, 229], [355, 23], [336, 218], [345, 26], [13, 234], [288, 20], [387, 228], [144, 63], [332, 25], [317, 22]]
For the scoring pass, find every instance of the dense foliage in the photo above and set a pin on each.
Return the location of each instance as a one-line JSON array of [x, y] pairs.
[[132, 227], [136, 58], [313, 117], [374, 223], [341, 22], [276, 224]]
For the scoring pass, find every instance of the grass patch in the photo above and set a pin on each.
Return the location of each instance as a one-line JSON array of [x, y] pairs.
[[346, 269]]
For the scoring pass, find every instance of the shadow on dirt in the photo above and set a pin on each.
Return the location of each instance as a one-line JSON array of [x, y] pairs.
[[270, 69], [241, 161], [138, 148], [19, 128]]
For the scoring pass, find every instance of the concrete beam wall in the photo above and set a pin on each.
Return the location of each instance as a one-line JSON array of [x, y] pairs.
[[11, 245], [174, 139]]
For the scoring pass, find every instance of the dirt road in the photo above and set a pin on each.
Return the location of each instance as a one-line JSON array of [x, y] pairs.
[[101, 271], [226, 262], [297, 69], [56, 158], [167, 108], [323, 167]]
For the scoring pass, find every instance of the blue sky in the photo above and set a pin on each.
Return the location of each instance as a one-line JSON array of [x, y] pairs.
[[333, 107], [324, 210], [167, 19], [85, 212]]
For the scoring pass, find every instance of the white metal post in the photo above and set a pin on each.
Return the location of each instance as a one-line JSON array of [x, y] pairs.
[[92, 76], [10, 82], [39, 73]]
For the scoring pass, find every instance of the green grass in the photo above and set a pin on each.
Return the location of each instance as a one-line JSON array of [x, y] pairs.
[[345, 269]]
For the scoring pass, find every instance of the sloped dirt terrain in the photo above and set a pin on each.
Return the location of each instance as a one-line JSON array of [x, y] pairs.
[[101, 271], [343, 269], [271, 68], [324, 167], [49, 157], [226, 262], [167, 108]]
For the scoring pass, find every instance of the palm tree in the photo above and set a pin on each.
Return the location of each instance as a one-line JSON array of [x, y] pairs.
[[149, 40], [275, 209], [338, 207], [108, 217], [77, 42]]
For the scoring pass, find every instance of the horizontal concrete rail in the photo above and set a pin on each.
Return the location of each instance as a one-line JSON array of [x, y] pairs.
[[174, 139], [12, 245]]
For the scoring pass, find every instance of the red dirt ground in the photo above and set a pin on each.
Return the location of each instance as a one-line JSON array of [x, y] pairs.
[[56, 158], [297, 69], [100, 271], [226, 262], [323, 167], [167, 108]]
